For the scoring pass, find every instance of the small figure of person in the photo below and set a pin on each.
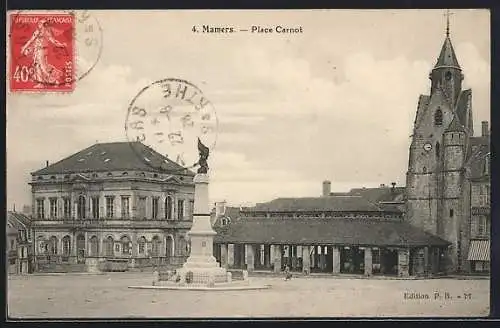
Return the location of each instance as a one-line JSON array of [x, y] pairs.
[[288, 274]]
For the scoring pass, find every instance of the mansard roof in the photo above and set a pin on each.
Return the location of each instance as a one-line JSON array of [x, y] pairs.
[[114, 156], [447, 57], [314, 231]]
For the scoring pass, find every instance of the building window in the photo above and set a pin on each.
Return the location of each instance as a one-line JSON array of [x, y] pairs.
[[95, 207], [451, 213], [141, 245], [168, 208], [437, 149], [155, 246], [53, 208], [125, 206], [424, 169], [110, 206], [438, 117], [66, 245], [155, 208], [80, 209], [40, 210], [12, 241], [180, 209], [67, 207], [126, 245], [108, 246], [191, 210], [484, 195], [481, 228], [141, 208]]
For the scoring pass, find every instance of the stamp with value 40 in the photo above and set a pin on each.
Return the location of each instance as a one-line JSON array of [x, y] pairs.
[[42, 52]]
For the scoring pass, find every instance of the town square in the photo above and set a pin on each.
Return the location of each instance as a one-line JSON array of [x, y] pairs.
[[235, 174]]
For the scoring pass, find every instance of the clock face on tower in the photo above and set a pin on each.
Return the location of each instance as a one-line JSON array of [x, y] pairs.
[[427, 147]]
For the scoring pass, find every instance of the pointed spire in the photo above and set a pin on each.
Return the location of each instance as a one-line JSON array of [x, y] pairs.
[[447, 57]]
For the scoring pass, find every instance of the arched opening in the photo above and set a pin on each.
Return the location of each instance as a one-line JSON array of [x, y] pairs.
[[80, 209], [80, 248], [94, 246], [424, 169], [168, 208], [141, 245], [438, 117], [451, 213], [108, 246], [169, 246], [155, 246], [53, 245], [126, 246], [66, 243]]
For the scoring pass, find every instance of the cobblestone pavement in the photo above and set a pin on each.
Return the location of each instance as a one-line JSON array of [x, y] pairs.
[[107, 296]]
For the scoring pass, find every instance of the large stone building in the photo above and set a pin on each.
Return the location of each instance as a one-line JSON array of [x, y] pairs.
[[448, 170], [111, 203]]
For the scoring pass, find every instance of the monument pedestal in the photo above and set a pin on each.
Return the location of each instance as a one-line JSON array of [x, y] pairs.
[[201, 267]]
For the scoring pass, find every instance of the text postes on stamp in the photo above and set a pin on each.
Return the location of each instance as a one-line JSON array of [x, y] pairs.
[[42, 52], [169, 116]]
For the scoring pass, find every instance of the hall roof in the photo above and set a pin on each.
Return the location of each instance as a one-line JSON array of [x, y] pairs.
[[17, 221], [114, 156], [315, 231], [347, 203]]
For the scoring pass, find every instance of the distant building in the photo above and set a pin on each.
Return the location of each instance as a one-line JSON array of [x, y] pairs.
[[109, 203], [448, 178], [19, 243]]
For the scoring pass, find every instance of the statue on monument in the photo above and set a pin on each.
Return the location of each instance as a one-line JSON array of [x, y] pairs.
[[203, 151]]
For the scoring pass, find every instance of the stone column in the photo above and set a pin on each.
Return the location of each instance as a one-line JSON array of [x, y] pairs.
[[250, 256], [277, 258], [230, 255], [368, 262], [224, 256], [306, 259], [336, 259], [403, 262], [426, 260]]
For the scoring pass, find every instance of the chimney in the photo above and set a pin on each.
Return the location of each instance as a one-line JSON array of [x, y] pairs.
[[327, 188], [393, 184], [485, 129], [46, 163], [220, 208]]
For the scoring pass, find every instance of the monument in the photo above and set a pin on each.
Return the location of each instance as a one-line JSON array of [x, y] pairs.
[[201, 266]]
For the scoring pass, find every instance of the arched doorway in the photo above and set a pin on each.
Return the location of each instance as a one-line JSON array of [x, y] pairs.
[[94, 246], [66, 247], [141, 246], [169, 246], [53, 245], [80, 248], [108, 246], [126, 246]]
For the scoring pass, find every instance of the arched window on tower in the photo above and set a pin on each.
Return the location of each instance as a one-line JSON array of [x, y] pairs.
[[424, 169], [437, 149], [438, 117]]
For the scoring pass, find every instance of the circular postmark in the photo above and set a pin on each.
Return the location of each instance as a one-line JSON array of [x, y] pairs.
[[169, 116], [53, 49]]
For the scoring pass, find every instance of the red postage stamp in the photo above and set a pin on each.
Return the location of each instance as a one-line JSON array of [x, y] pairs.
[[42, 52]]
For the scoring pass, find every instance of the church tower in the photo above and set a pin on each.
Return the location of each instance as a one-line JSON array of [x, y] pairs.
[[442, 127]]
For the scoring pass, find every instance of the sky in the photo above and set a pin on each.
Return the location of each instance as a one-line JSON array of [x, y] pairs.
[[335, 102]]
